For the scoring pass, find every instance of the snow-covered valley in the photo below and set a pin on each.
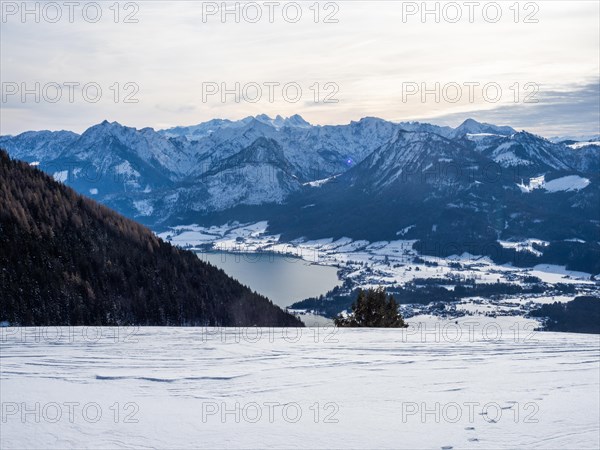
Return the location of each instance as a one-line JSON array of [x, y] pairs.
[[395, 263], [426, 388]]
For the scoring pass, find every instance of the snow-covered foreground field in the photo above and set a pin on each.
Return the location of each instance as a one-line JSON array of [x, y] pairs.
[[451, 386]]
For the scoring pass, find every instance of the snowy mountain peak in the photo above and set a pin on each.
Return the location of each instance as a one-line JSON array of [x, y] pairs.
[[295, 121], [367, 120], [100, 134], [264, 118], [106, 127], [470, 123], [201, 130], [112, 125], [406, 155], [416, 136], [527, 150], [471, 126], [525, 136]]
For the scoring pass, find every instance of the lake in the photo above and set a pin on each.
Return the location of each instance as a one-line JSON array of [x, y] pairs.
[[283, 279]]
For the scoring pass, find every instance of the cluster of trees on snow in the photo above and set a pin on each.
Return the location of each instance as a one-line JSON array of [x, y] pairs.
[[67, 260], [373, 308]]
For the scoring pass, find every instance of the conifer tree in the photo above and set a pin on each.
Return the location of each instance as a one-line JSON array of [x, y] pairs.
[[373, 308]]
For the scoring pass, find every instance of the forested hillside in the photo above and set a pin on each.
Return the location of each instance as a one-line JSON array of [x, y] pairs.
[[67, 260]]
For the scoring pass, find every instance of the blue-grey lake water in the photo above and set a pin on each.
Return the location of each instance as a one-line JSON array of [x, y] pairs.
[[282, 279]]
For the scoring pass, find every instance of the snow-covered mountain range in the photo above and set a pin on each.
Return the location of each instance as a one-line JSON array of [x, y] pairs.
[[366, 179], [206, 163]]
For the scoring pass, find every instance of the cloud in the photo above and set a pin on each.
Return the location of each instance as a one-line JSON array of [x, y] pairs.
[[368, 53], [559, 112]]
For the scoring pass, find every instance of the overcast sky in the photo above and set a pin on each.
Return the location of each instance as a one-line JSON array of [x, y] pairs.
[[540, 72]]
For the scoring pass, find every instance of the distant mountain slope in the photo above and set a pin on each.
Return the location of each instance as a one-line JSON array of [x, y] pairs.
[[587, 158], [38, 145], [530, 153], [416, 156], [67, 260], [258, 174], [453, 197]]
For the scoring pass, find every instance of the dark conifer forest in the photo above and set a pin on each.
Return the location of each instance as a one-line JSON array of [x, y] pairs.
[[582, 315], [67, 260]]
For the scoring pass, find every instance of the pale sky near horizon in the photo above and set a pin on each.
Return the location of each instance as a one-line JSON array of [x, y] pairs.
[[375, 56]]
